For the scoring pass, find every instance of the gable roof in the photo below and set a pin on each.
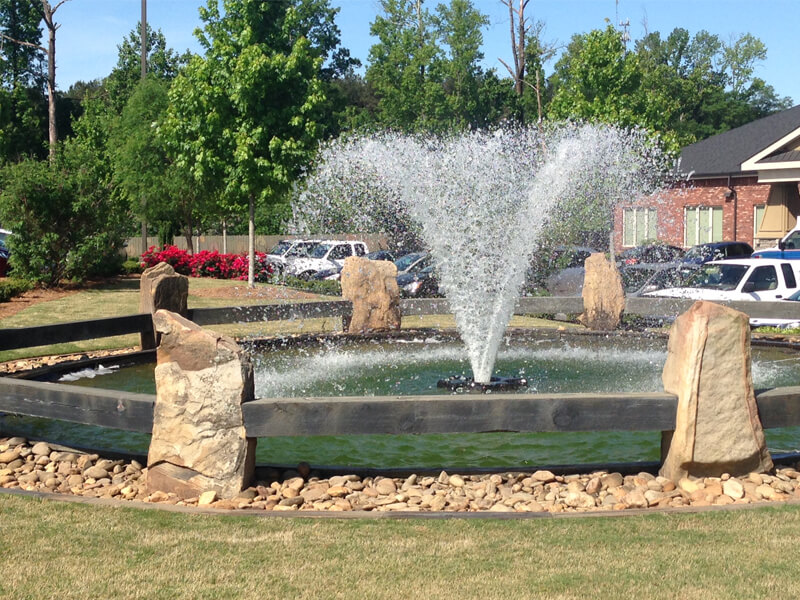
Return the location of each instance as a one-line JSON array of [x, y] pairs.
[[724, 153]]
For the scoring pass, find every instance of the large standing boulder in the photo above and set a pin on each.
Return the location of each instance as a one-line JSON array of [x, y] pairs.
[[371, 285], [603, 295], [162, 288], [717, 429], [199, 441]]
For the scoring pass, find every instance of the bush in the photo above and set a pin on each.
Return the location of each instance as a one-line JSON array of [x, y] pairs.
[[66, 222], [131, 266], [208, 263], [11, 287], [326, 288]]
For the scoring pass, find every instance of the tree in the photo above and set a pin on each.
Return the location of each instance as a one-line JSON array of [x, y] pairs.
[[47, 13], [405, 65], [163, 64], [597, 80], [241, 119], [22, 103], [459, 27]]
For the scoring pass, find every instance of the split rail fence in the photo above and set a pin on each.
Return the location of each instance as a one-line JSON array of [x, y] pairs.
[[267, 417]]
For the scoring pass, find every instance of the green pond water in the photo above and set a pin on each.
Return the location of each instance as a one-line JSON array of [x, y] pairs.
[[412, 367]]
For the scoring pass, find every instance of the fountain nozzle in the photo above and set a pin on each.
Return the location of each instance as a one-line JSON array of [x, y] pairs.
[[462, 384]]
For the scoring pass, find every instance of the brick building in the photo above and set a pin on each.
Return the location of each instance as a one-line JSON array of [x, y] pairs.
[[739, 185]]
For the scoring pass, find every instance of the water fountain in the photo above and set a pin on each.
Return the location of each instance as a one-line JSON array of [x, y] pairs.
[[479, 202]]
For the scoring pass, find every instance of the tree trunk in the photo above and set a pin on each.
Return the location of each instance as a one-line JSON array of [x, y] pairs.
[[251, 244]]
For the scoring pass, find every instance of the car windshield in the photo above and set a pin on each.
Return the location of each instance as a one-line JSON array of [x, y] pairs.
[[701, 252], [406, 261], [717, 277], [319, 251], [301, 249], [280, 248]]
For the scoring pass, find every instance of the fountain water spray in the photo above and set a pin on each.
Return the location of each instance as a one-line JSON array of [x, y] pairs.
[[479, 201]]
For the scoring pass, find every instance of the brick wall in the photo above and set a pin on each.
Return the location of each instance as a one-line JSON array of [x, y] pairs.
[[737, 211]]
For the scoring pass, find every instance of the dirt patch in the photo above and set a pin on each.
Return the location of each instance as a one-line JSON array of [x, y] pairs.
[[31, 297]]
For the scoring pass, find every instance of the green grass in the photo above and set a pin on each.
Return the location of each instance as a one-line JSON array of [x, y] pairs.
[[59, 550], [121, 297]]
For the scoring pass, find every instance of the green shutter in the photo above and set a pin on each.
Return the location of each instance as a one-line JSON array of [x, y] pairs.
[[628, 227], [652, 221], [691, 226], [716, 224]]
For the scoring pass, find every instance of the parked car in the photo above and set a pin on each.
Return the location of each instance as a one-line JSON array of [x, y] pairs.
[[285, 251], [4, 254], [335, 273], [739, 279], [325, 255], [410, 263], [422, 283], [703, 253], [650, 253], [656, 277]]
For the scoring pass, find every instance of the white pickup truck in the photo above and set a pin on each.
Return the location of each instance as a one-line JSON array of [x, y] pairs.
[[787, 249], [741, 279]]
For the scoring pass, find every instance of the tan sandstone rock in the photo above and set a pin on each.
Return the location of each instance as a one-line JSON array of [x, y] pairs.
[[717, 428], [199, 442], [162, 288], [603, 295], [371, 285]]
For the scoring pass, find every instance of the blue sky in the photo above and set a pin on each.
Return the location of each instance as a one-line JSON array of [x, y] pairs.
[[91, 29]]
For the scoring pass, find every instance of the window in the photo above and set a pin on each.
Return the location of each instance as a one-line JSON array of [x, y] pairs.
[[341, 251], [758, 216], [788, 275], [638, 225], [764, 279], [360, 250], [702, 225]]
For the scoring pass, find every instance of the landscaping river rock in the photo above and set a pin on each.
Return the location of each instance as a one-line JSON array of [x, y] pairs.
[[42, 467]]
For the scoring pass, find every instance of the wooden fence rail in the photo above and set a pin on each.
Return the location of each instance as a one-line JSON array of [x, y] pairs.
[[268, 417], [27, 337]]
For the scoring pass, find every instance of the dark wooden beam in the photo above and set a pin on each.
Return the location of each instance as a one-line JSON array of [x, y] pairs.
[[89, 406], [459, 414], [270, 312], [43, 335]]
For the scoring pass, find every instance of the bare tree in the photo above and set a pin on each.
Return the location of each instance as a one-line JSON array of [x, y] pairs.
[[521, 32], [48, 12]]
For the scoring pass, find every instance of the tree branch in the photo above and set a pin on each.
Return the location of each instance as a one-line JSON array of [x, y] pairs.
[[22, 43]]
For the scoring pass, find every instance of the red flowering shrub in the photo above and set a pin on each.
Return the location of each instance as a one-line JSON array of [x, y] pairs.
[[208, 263], [174, 256]]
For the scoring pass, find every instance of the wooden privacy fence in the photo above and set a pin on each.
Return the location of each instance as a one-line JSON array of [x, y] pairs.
[[238, 244], [268, 417]]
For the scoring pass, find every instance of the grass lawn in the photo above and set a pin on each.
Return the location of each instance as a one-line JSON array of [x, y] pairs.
[[63, 550]]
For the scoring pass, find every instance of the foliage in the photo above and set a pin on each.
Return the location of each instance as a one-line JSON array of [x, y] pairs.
[[131, 266], [65, 222], [11, 287], [23, 106], [163, 64], [227, 126], [208, 263], [315, 286]]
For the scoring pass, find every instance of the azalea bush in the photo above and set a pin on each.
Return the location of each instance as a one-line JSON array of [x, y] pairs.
[[209, 263]]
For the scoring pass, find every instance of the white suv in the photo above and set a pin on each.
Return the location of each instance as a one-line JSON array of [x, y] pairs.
[[325, 255], [286, 251]]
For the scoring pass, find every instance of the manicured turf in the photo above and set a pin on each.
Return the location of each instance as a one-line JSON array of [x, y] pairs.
[[59, 550]]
